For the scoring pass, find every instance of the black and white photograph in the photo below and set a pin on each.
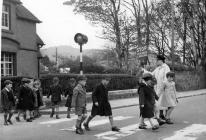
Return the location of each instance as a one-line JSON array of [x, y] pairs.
[[103, 70]]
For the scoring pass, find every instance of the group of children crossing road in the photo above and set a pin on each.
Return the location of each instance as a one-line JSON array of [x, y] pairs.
[[26, 102], [156, 90]]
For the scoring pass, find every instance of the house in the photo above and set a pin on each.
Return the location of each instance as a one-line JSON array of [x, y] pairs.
[[20, 45]]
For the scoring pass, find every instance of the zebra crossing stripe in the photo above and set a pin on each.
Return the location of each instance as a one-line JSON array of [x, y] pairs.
[[58, 120], [188, 133], [101, 122], [124, 131]]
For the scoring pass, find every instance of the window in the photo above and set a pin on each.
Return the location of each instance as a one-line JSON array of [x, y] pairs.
[[5, 17], [7, 64]]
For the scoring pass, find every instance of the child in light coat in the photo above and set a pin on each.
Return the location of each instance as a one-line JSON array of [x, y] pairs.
[[168, 97]]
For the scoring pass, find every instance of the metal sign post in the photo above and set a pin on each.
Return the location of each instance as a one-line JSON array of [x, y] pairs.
[[81, 39]]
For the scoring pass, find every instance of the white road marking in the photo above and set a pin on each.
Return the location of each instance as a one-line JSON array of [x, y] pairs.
[[189, 133], [124, 131], [58, 120], [100, 122]]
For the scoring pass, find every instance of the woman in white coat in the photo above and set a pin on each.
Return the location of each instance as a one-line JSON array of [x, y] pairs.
[[160, 75]]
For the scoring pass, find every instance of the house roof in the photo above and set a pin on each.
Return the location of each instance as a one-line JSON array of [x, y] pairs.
[[14, 1], [39, 40], [23, 13]]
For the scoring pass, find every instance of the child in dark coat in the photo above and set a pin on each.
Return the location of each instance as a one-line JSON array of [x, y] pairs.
[[101, 105], [26, 100], [69, 93], [147, 100], [7, 102], [55, 91]]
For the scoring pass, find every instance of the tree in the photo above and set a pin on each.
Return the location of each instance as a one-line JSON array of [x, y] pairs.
[[106, 13]]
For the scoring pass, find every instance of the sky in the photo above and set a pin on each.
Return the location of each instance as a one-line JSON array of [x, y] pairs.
[[60, 24]]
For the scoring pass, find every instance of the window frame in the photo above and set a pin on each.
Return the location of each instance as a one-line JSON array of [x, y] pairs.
[[8, 61], [8, 14]]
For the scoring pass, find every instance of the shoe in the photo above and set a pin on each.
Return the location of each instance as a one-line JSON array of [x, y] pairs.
[[10, 122], [86, 126], [168, 121], [114, 128], [79, 131], [24, 116], [57, 117], [5, 123], [155, 127], [162, 117], [51, 115], [28, 120], [17, 119], [142, 127], [160, 121]]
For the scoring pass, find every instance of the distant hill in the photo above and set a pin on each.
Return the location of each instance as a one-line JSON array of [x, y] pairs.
[[70, 52]]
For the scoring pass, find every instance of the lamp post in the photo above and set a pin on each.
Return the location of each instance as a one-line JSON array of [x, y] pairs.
[[81, 39]]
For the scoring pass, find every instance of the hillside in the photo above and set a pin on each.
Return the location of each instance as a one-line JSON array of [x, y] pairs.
[[71, 52]]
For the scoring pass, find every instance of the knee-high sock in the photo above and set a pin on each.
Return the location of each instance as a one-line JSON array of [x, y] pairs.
[[5, 118], [10, 115], [161, 113], [78, 123]]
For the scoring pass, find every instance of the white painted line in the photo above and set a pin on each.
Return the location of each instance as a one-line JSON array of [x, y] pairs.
[[58, 120], [189, 133], [124, 131], [100, 122]]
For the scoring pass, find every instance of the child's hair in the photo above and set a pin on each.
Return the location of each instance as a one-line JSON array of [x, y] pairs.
[[55, 80], [36, 82], [72, 80], [170, 74]]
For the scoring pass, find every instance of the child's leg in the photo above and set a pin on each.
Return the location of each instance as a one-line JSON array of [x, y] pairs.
[[28, 117], [78, 125], [86, 123], [68, 112], [114, 128], [141, 120], [52, 111], [5, 118], [57, 111], [169, 111], [10, 115]]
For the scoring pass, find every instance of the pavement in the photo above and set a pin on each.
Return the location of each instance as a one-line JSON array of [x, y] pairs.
[[134, 101]]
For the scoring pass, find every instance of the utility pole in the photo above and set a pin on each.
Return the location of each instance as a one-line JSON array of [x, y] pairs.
[[172, 38], [56, 59]]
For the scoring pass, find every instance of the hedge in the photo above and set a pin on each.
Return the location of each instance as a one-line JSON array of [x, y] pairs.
[[184, 81], [118, 81]]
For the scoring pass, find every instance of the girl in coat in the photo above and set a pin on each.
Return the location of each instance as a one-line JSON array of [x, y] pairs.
[[101, 105], [168, 97], [69, 93], [146, 101], [7, 102], [55, 92]]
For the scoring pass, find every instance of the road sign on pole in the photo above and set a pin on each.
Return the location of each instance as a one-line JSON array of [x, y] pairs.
[[81, 39]]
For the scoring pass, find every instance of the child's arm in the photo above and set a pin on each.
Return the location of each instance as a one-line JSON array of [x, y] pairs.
[[162, 88], [74, 97], [2, 99], [141, 97], [175, 92]]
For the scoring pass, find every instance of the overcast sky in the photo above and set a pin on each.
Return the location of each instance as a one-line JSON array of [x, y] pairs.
[[60, 24]]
